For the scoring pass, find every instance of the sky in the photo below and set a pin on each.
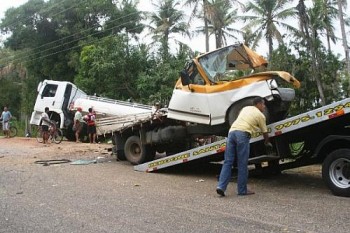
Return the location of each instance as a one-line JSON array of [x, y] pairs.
[[196, 43]]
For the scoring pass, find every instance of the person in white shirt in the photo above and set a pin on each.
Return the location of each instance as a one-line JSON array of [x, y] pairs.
[[5, 118], [78, 123], [45, 123]]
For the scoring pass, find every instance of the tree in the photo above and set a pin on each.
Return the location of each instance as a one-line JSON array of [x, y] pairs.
[[327, 13], [125, 17], [110, 68], [156, 84], [308, 21], [167, 20], [298, 63], [268, 15], [341, 4], [221, 17], [205, 8], [48, 34]]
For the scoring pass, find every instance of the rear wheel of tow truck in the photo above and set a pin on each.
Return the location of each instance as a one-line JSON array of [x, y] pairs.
[[135, 152], [336, 172]]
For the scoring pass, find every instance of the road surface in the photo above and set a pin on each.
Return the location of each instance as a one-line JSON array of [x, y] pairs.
[[109, 196]]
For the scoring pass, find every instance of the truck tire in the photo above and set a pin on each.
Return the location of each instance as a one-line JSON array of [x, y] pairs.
[[336, 172], [237, 107], [118, 147], [69, 133], [135, 152], [120, 155]]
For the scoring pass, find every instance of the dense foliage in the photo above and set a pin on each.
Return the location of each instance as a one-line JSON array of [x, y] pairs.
[[99, 45]]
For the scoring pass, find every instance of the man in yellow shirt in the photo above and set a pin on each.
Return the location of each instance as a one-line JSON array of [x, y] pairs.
[[248, 121]]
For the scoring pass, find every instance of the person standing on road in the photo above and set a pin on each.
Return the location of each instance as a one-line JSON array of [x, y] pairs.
[[91, 126], [45, 123], [78, 123], [6, 117], [237, 145]]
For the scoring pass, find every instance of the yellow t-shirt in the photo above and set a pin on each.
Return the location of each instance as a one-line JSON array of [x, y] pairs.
[[250, 119]]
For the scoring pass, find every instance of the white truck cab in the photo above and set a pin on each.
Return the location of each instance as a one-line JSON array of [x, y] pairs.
[[57, 96], [212, 88]]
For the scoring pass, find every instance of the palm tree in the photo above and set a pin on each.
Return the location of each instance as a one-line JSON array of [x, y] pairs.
[[327, 13], [268, 15], [311, 25], [166, 20], [221, 17], [204, 17], [341, 4]]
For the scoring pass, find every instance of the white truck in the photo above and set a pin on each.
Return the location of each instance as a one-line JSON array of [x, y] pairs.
[[63, 98]]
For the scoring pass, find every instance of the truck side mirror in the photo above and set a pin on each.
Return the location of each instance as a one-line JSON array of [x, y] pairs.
[[185, 79]]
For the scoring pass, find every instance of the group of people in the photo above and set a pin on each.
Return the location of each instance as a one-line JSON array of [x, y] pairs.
[[78, 124], [5, 120], [79, 121]]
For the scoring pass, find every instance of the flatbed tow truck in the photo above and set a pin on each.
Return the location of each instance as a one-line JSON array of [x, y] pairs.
[[320, 136], [206, 99]]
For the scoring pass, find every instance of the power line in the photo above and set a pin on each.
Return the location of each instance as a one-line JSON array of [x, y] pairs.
[[69, 42], [80, 32], [72, 35]]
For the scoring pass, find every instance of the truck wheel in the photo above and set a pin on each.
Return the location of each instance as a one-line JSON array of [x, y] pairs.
[[135, 152], [336, 172], [237, 107], [120, 155], [118, 147], [69, 133]]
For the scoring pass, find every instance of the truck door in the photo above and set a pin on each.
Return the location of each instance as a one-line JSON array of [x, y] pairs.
[[190, 102], [52, 96]]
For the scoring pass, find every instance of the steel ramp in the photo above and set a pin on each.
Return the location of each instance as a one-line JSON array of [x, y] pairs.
[[183, 157]]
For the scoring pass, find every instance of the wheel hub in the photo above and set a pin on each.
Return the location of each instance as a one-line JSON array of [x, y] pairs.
[[340, 173], [136, 149]]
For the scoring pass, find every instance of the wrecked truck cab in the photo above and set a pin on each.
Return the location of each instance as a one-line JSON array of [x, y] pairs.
[[215, 86]]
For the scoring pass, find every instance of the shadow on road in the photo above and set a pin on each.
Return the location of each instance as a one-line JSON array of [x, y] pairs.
[[306, 179]]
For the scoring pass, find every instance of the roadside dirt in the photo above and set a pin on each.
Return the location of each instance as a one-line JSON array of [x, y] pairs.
[[29, 149]]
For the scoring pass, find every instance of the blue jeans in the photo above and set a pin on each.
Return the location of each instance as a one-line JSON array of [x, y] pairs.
[[237, 147]]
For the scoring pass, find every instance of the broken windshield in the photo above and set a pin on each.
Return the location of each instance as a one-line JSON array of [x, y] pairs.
[[228, 63], [214, 64]]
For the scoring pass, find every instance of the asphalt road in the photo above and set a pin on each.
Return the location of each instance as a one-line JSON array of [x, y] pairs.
[[111, 197]]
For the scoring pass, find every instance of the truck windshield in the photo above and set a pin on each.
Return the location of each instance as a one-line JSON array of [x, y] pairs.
[[231, 62], [49, 90], [214, 64]]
